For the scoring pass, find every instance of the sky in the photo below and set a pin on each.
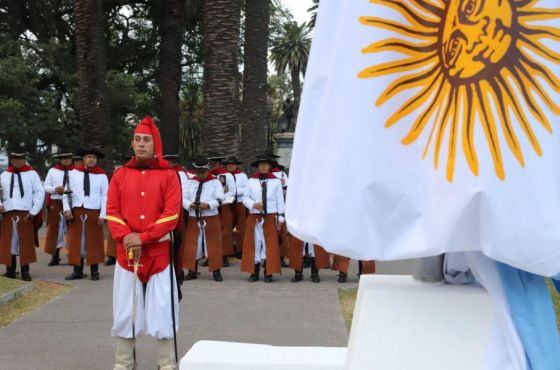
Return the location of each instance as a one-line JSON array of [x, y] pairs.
[[299, 9]]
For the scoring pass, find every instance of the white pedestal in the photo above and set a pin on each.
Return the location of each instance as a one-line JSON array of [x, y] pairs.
[[401, 324], [211, 355]]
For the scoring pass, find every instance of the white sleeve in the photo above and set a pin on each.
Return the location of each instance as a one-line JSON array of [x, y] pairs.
[[247, 201], [218, 195], [280, 202], [242, 186], [186, 201], [48, 185], [104, 189], [38, 194]]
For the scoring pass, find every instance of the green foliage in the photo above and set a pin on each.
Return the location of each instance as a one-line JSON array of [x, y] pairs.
[[290, 49]]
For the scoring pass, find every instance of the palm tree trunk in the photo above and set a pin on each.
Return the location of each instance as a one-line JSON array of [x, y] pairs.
[[253, 108], [296, 87], [93, 110], [221, 28], [170, 21]]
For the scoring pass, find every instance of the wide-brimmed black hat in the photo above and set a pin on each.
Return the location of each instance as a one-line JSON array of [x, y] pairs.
[[174, 157], [263, 157], [232, 160], [63, 153], [85, 151], [201, 163]]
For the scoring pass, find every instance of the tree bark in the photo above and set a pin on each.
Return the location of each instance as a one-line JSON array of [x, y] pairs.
[[170, 21], [221, 28], [296, 87], [93, 110], [253, 107]]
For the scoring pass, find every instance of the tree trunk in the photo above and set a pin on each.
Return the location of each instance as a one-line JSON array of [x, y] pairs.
[[296, 86], [253, 108], [93, 110], [170, 21], [221, 24]]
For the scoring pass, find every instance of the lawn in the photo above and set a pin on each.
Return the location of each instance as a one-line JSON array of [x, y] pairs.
[[347, 298], [8, 285]]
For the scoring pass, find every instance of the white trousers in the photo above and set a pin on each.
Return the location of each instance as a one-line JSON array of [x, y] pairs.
[[260, 242], [153, 309]]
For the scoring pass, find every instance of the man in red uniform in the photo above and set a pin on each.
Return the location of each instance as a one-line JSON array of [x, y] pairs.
[[143, 208]]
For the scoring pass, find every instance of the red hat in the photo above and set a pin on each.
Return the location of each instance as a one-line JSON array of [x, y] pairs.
[[148, 127]]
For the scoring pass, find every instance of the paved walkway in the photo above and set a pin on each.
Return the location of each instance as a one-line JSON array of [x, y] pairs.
[[73, 331]]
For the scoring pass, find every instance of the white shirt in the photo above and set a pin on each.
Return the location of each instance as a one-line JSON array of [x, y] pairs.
[[229, 195], [212, 194], [54, 178], [97, 199], [33, 192], [240, 185], [274, 196], [282, 175]]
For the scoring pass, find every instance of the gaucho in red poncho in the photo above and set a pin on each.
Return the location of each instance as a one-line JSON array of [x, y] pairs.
[[143, 208]]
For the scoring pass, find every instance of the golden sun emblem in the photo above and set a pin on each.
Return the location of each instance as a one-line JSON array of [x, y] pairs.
[[470, 59]]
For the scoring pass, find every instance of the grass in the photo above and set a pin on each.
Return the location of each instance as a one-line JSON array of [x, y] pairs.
[[42, 293], [8, 285], [347, 298]]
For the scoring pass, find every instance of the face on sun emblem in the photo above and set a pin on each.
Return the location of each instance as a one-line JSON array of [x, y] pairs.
[[476, 33]]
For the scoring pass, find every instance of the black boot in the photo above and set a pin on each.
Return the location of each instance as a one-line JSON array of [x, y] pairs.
[[94, 269], [342, 277], [297, 277], [226, 262], [11, 270], [360, 268], [55, 260], [218, 276], [314, 271], [267, 278], [283, 263], [255, 275], [78, 272], [306, 263], [25, 273], [110, 261]]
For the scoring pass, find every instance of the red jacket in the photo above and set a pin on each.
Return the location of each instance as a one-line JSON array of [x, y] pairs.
[[148, 202]]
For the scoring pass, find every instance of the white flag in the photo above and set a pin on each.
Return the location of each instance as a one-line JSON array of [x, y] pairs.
[[431, 126]]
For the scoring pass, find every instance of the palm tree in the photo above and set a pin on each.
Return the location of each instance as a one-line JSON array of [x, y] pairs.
[[93, 110], [169, 17], [221, 30], [290, 51], [313, 10], [253, 108]]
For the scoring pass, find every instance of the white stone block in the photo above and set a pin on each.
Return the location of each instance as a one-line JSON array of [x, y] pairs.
[[212, 355], [401, 324]]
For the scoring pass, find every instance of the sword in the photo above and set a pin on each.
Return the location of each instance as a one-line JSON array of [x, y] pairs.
[[134, 256]]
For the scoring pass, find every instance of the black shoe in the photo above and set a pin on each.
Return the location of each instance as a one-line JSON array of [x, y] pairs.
[[11, 270], [268, 278], [255, 275], [110, 261], [55, 261], [10, 274], [283, 263], [226, 262], [297, 277], [218, 276], [342, 277], [191, 276], [76, 275], [25, 276], [94, 269], [315, 278]]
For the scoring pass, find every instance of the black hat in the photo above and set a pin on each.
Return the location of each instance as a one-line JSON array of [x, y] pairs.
[[85, 151], [232, 160], [201, 163], [271, 155], [264, 157], [174, 157], [62, 153]]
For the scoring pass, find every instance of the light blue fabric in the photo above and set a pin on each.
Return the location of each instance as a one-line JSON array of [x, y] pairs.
[[534, 317]]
